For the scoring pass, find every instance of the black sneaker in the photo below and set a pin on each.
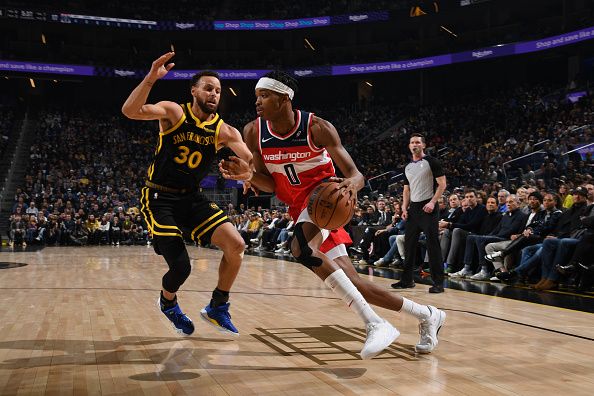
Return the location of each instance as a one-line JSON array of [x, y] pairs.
[[356, 250], [436, 289], [403, 285], [507, 276]]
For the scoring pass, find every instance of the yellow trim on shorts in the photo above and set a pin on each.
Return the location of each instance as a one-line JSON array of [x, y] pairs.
[[210, 226], [204, 222], [154, 223], [143, 210]]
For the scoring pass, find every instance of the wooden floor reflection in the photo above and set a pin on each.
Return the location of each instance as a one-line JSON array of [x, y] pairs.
[[83, 321]]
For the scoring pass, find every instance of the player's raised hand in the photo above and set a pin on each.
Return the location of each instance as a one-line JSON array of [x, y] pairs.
[[235, 168], [159, 67]]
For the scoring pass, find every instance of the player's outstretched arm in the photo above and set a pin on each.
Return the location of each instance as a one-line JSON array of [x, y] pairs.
[[136, 108], [240, 167], [325, 135], [261, 179]]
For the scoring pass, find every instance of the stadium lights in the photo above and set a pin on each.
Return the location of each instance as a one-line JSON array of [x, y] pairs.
[[448, 30], [309, 44], [368, 83], [232, 91], [43, 38], [32, 82]]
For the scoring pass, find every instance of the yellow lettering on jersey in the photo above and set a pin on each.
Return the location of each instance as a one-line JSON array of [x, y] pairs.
[[180, 137], [193, 137]]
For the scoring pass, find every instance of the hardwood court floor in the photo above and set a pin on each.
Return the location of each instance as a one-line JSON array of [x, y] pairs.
[[83, 321]]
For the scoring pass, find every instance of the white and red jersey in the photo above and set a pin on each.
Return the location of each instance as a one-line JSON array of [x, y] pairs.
[[297, 166], [295, 163]]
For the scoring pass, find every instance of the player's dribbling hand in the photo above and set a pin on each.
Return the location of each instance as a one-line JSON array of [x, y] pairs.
[[159, 69], [346, 185], [235, 168]]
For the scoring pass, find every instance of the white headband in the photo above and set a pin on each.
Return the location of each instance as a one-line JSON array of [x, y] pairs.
[[275, 85]]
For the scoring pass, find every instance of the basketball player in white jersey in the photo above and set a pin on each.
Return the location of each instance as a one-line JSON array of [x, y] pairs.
[[293, 152]]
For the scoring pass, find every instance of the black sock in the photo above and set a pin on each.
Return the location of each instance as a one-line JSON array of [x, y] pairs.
[[219, 297], [165, 303]]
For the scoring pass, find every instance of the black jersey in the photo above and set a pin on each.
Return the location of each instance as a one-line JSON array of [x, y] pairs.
[[185, 151]]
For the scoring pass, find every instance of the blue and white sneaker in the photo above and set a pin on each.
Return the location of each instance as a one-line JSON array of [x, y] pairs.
[[180, 322], [220, 318]]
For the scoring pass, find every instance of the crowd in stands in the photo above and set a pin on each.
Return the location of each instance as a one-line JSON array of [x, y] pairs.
[[85, 173], [83, 181], [529, 235], [475, 140], [7, 119]]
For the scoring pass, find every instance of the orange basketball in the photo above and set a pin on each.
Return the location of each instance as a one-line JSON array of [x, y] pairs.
[[328, 208]]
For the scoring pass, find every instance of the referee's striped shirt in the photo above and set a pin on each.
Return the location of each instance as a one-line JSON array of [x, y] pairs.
[[420, 176]]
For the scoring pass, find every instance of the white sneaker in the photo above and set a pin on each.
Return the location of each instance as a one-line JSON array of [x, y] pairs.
[[279, 250], [428, 329], [463, 273], [379, 262], [287, 251], [363, 262], [379, 336], [254, 240], [494, 279], [482, 275]]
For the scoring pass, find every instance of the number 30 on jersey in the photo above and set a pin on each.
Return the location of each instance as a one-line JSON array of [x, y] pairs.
[[184, 157]]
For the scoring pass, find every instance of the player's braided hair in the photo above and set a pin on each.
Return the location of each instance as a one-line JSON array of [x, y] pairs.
[[284, 78]]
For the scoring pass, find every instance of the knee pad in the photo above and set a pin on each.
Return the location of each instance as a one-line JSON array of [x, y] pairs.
[[174, 251], [305, 257]]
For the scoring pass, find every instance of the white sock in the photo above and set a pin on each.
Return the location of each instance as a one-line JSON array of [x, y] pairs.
[[340, 284], [419, 311]]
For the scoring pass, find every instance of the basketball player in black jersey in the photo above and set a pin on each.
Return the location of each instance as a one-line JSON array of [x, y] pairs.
[[190, 135], [274, 95]]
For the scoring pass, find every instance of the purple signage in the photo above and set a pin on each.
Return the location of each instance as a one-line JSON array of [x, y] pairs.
[[555, 41], [225, 74], [317, 71], [358, 18], [211, 182], [382, 67], [484, 53], [273, 25], [31, 67]]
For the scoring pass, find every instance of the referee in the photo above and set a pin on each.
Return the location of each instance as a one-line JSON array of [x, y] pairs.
[[424, 183]]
